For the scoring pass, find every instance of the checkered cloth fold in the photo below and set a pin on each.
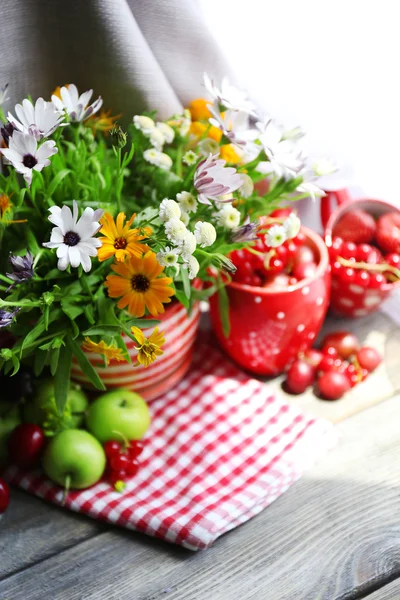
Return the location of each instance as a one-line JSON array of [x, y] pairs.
[[220, 449]]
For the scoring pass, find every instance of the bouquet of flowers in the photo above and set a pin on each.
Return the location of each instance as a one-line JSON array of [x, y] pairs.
[[101, 227]]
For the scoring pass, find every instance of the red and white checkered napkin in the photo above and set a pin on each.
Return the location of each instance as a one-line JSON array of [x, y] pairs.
[[221, 448]]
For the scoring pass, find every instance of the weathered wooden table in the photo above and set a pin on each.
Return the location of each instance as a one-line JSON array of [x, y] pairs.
[[335, 535]]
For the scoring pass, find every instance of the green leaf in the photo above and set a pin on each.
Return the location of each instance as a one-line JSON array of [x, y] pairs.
[[89, 313], [223, 304], [187, 288], [103, 330], [121, 344], [183, 299], [40, 361], [55, 357], [71, 310], [62, 376], [84, 363], [56, 181], [142, 323]]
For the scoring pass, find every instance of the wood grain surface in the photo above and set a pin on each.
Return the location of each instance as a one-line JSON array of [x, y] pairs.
[[335, 535]]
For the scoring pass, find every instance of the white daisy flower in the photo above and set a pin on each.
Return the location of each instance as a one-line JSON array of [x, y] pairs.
[[275, 236], [39, 120], [168, 257], [205, 234], [323, 167], [156, 139], [189, 158], [157, 158], [3, 94], [208, 146], [184, 217], [236, 127], [169, 209], [229, 96], [247, 187], [187, 201], [186, 122], [77, 106], [25, 156], [283, 160], [73, 238], [291, 225], [192, 265], [212, 179], [188, 245], [166, 131], [175, 230], [144, 124], [228, 217]]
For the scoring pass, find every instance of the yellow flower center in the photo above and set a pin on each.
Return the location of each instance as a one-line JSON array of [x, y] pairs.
[[140, 283], [120, 243]]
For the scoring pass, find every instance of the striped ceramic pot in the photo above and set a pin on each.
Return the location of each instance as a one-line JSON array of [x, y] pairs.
[[180, 332]]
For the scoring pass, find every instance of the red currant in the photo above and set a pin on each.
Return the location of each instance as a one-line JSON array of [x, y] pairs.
[[377, 280], [313, 356], [362, 278], [344, 342], [116, 476], [334, 250], [333, 385], [135, 448], [368, 358], [347, 275], [133, 467], [4, 496], [348, 250], [327, 364], [363, 252], [276, 265], [119, 462], [300, 375], [304, 254], [329, 350], [393, 260], [337, 268], [111, 448]]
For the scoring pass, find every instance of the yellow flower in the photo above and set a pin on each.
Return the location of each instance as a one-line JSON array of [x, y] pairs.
[[139, 285], [109, 351], [148, 348], [228, 153], [5, 209], [57, 91], [202, 130], [103, 121], [198, 109], [119, 240]]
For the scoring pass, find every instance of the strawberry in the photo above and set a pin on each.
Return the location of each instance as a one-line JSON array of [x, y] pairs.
[[356, 226], [388, 232]]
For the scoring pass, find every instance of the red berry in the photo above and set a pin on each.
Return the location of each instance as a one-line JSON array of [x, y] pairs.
[[278, 281], [280, 213], [300, 375], [116, 476], [111, 448], [304, 271], [337, 268], [304, 254], [4, 496], [276, 265], [343, 342], [133, 467], [291, 248], [362, 278], [363, 252], [347, 275], [333, 385], [393, 260], [348, 250], [368, 358], [376, 280], [300, 239], [293, 280], [328, 350], [327, 364], [119, 462], [282, 253], [313, 356], [334, 250], [135, 448], [388, 232], [25, 445], [356, 226]]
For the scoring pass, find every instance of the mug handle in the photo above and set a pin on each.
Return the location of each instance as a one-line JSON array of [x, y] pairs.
[[328, 202]]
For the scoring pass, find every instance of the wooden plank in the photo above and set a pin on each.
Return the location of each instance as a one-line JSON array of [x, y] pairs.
[[388, 592], [378, 331], [335, 533], [31, 531]]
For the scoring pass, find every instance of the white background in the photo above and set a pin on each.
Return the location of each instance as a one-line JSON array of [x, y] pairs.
[[332, 67]]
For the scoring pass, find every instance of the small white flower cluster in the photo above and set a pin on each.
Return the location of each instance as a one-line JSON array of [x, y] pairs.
[[278, 234], [158, 134], [175, 216]]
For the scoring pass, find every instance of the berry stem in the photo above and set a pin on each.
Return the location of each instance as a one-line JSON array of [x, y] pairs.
[[125, 440], [380, 268]]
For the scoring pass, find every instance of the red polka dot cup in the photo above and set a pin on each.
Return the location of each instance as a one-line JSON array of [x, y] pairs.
[[269, 326], [347, 298]]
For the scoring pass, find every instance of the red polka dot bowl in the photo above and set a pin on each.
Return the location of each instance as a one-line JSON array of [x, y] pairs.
[[347, 298], [268, 327]]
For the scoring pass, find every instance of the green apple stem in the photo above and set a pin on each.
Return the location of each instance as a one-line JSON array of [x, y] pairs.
[[67, 485]]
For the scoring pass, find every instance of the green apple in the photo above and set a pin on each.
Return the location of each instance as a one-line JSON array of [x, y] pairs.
[[74, 458], [42, 409], [117, 414], [9, 419]]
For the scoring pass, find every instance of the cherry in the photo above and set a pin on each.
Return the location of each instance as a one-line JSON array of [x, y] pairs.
[[368, 358], [25, 445], [362, 278], [377, 280], [334, 250], [282, 253], [300, 239], [116, 476], [329, 350], [327, 363], [119, 462], [343, 342], [366, 253], [305, 270], [135, 449], [291, 248], [347, 275], [111, 448], [275, 265], [393, 260], [313, 356], [348, 250], [280, 213], [133, 467], [4, 496], [337, 268], [300, 375], [304, 254], [333, 385]]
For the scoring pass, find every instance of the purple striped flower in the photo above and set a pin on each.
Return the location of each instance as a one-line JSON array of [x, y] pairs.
[[6, 318], [22, 269], [212, 179]]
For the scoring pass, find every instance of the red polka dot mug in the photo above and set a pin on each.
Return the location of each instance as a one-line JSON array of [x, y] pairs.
[[271, 326], [348, 298]]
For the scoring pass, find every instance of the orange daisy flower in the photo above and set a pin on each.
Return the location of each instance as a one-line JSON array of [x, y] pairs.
[[119, 240], [104, 121], [139, 286], [109, 351], [5, 209], [199, 109]]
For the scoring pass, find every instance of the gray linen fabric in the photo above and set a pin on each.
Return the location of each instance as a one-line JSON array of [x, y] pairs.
[[137, 54]]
